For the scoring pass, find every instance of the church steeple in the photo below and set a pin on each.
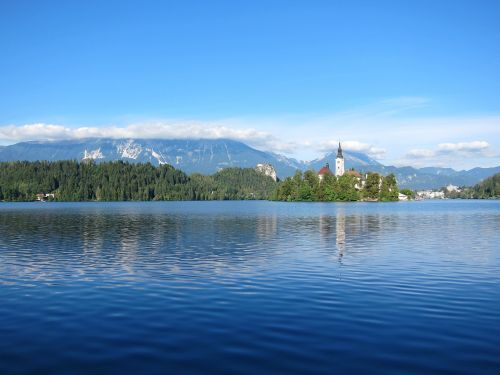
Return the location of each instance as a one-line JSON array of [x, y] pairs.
[[339, 162], [339, 152]]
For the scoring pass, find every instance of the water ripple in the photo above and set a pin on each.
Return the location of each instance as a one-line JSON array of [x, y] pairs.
[[250, 287]]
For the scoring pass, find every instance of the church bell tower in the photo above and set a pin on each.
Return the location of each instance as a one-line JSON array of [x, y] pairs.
[[339, 162]]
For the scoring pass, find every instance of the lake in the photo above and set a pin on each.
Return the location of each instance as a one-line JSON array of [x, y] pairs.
[[250, 288]]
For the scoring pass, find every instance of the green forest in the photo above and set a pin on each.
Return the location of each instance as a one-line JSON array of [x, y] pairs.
[[121, 181], [487, 189], [307, 187]]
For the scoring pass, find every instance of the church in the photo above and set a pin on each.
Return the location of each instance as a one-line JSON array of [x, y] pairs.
[[339, 166], [339, 162]]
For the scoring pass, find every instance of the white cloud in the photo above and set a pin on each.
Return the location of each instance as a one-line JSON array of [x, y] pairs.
[[356, 146], [146, 130], [161, 129], [481, 148], [405, 137], [446, 154], [475, 146], [419, 153], [388, 129]]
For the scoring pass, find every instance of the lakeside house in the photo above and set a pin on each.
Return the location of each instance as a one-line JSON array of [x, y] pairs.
[[42, 197], [453, 189], [402, 197], [429, 194]]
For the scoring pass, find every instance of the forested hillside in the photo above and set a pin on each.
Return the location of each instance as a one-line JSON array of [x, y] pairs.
[[489, 188], [121, 181]]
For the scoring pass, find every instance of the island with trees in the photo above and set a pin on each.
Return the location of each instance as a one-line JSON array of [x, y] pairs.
[[311, 187]]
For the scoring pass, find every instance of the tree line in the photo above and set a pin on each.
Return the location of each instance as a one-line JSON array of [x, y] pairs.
[[308, 187], [122, 181], [487, 189]]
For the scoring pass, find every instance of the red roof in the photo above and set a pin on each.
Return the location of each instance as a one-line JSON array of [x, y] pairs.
[[325, 170], [353, 173]]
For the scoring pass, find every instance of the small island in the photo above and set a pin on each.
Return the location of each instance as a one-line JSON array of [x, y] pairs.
[[350, 187], [343, 186]]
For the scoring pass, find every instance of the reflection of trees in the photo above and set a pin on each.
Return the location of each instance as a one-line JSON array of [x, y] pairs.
[[123, 240], [266, 226], [92, 241], [326, 224], [47, 245]]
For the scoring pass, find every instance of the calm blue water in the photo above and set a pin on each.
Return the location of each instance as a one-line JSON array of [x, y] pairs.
[[250, 288]]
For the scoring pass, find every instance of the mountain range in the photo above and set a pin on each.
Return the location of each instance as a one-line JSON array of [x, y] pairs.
[[207, 156]]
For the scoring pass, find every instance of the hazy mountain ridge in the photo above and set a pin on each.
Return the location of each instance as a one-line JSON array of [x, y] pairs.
[[207, 156], [204, 156]]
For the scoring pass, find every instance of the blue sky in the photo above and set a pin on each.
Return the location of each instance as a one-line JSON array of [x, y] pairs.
[[400, 80]]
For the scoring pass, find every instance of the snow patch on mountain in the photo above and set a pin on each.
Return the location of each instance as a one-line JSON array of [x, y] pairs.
[[227, 152], [159, 157], [129, 149], [93, 154], [293, 163]]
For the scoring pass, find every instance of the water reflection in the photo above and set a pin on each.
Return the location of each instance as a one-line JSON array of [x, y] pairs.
[[340, 238], [42, 244], [133, 243], [267, 226], [245, 287]]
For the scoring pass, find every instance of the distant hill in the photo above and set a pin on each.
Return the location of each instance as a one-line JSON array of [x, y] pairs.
[[434, 178], [208, 156]]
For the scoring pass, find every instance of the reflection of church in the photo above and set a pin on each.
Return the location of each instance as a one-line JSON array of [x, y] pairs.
[[340, 232], [328, 225]]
